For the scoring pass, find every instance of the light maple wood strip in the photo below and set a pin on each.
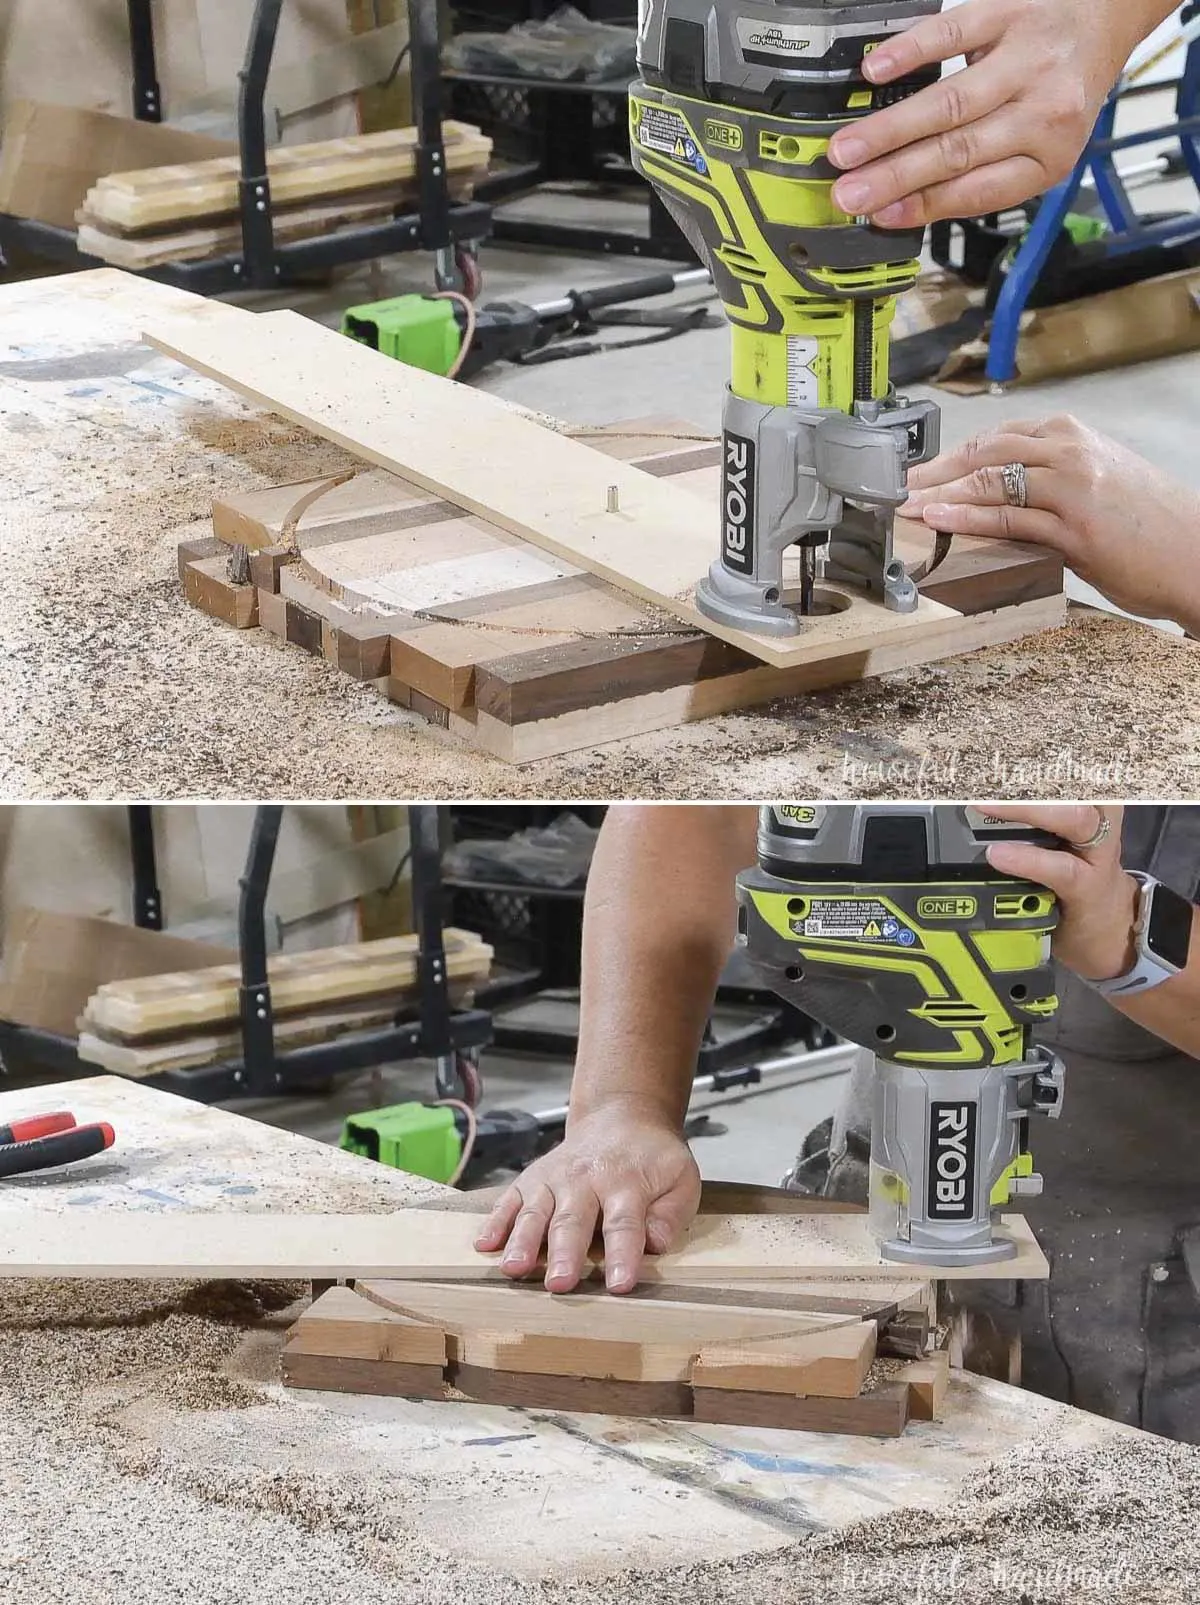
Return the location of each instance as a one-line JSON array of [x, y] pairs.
[[194, 999], [424, 1246], [344, 1326], [468, 446], [156, 196], [831, 1365]]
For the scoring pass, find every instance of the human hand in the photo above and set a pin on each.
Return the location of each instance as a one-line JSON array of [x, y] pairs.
[[619, 1167], [1012, 123], [1120, 523], [1098, 901]]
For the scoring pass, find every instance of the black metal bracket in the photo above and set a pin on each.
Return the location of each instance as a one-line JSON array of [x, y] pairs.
[[262, 1075], [259, 269], [147, 898], [425, 69], [428, 914], [147, 96]]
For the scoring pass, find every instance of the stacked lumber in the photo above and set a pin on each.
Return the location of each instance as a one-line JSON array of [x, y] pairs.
[[140, 220], [186, 1019], [708, 1353], [521, 653]]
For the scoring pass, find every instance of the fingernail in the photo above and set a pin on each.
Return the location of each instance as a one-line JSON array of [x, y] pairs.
[[877, 64], [848, 152], [616, 1274], [513, 1259], [890, 216], [557, 1270], [937, 513], [852, 195]]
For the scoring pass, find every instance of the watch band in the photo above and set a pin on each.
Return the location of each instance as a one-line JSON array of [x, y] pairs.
[[1149, 969]]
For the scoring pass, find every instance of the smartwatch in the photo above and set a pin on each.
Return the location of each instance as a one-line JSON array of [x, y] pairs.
[[1162, 938]]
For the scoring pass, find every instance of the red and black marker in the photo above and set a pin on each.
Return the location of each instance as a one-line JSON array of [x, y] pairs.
[[43, 1142]]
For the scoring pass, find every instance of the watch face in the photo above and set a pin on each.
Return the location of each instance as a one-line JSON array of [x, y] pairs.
[[1168, 935]]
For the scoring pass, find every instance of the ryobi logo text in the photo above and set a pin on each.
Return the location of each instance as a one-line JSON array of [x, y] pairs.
[[946, 908], [737, 501], [951, 1161]]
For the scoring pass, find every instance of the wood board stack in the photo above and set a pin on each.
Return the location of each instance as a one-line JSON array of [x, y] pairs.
[[140, 220], [184, 1020], [525, 655], [796, 1357]]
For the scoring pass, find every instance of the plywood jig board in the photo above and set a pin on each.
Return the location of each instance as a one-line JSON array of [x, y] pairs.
[[423, 1245], [533, 483]]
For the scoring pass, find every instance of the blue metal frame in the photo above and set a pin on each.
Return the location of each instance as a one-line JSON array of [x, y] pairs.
[[1128, 234]]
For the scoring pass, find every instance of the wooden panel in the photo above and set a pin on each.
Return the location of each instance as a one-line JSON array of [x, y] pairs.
[[385, 1377], [343, 1325], [588, 1395], [422, 1245], [831, 1364], [882, 1413], [467, 445], [586, 1334], [603, 655], [371, 503], [299, 981], [155, 196], [637, 715]]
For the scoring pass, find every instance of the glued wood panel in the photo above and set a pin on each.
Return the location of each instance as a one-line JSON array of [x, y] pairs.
[[586, 1334], [422, 1245], [832, 1364], [544, 487]]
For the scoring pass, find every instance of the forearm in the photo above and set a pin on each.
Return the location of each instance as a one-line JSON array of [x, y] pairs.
[[659, 922], [1172, 1011], [1132, 20]]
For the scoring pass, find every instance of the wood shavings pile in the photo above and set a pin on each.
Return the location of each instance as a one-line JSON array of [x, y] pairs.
[[83, 1365], [112, 686]]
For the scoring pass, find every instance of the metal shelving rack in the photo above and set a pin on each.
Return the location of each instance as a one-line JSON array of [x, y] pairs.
[[433, 1029], [450, 230]]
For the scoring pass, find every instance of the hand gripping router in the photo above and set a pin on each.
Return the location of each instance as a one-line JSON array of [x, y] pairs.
[[887, 924], [731, 124]]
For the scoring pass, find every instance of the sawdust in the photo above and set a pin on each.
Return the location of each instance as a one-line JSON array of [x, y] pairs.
[[99, 1507], [67, 1337], [112, 686], [1039, 1526]]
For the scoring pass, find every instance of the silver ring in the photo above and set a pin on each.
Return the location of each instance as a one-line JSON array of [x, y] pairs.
[[1100, 834], [1016, 484]]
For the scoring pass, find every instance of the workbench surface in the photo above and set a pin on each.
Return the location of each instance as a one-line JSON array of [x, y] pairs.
[[112, 686], [549, 1495]]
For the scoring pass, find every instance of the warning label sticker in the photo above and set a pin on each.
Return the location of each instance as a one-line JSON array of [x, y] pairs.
[[853, 920], [665, 131]]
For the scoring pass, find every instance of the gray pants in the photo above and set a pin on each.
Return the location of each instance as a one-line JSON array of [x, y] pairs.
[[1116, 1330]]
